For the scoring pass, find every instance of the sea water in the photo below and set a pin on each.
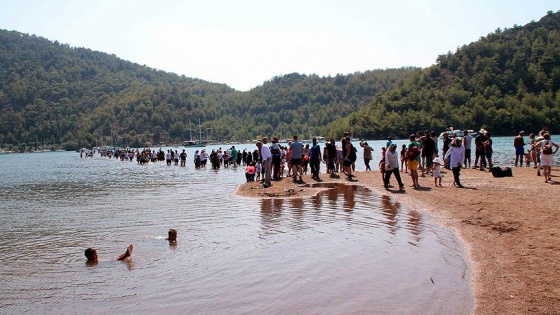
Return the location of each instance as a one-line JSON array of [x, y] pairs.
[[347, 250]]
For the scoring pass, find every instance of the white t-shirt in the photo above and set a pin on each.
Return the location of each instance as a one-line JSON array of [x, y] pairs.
[[265, 152]]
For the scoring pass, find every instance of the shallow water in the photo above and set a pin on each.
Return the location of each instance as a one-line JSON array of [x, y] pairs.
[[347, 250]]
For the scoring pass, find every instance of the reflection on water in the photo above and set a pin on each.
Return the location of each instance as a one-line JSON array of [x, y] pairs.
[[346, 250], [355, 205]]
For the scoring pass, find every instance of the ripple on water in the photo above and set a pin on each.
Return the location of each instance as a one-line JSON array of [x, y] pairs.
[[347, 250]]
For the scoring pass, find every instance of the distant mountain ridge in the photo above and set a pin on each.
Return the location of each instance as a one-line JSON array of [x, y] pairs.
[[53, 93]]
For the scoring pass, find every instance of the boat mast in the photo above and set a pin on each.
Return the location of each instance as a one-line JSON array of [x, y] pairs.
[[199, 131], [309, 120], [190, 129]]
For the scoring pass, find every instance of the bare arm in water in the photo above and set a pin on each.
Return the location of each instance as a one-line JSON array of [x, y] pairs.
[[126, 254]]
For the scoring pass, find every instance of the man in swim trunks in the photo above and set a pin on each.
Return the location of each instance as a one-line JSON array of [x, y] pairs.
[[519, 145]]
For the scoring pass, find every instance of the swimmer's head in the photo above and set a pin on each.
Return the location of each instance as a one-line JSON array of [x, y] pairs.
[[91, 254], [172, 235]]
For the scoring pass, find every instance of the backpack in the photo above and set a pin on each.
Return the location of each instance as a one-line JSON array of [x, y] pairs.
[[547, 148], [413, 153], [502, 171], [275, 149]]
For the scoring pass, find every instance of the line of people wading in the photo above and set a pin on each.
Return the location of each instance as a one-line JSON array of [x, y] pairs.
[[269, 162]]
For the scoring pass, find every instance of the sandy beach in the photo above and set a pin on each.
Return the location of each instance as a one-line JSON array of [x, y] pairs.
[[510, 227]]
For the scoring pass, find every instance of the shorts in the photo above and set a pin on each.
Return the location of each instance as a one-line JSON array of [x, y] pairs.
[[468, 154], [429, 160], [519, 150], [331, 164], [412, 165], [296, 162], [546, 159], [348, 162], [489, 155]]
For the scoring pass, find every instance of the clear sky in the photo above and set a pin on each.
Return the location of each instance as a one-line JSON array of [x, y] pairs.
[[243, 43]]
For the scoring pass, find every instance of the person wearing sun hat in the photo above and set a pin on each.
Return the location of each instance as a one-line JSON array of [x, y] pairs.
[[436, 173], [456, 155]]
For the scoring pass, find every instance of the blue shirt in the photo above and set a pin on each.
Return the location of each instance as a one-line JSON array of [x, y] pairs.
[[297, 149], [315, 152]]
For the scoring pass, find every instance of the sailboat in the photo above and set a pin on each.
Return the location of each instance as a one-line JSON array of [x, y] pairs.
[[193, 142]]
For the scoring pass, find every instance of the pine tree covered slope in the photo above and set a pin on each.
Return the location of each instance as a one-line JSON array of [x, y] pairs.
[[506, 82], [51, 92]]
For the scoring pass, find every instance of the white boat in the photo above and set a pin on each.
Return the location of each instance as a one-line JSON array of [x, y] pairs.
[[194, 143], [451, 133]]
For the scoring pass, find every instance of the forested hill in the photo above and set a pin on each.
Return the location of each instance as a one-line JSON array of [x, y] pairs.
[[505, 82], [57, 94]]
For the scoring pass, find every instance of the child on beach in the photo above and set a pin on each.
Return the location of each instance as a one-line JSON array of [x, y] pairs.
[[528, 158], [282, 167], [436, 173], [250, 171], [258, 169], [382, 163], [403, 159]]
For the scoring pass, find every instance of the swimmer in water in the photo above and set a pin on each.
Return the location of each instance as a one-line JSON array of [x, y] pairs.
[[172, 236], [91, 255]]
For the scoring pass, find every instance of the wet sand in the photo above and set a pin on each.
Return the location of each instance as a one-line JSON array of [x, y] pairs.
[[510, 225]]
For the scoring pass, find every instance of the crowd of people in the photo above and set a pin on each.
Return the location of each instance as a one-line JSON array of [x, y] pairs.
[[420, 158], [540, 151], [272, 160]]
